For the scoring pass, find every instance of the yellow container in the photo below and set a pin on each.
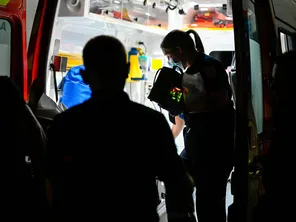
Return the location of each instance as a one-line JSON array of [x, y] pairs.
[[135, 71]]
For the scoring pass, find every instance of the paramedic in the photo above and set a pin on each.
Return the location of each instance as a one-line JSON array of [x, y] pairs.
[[209, 119], [178, 121], [105, 167]]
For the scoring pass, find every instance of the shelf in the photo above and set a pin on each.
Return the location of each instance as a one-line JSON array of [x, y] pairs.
[[127, 24]]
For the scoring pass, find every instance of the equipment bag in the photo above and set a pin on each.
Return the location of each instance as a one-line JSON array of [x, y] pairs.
[[167, 90]]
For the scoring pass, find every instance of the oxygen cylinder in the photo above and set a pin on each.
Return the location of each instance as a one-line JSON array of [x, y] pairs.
[[135, 70]]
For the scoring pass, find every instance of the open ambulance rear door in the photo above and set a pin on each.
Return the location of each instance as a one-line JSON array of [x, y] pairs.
[[13, 57]]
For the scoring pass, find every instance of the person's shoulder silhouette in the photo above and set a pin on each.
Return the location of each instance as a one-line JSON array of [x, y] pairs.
[[106, 137]]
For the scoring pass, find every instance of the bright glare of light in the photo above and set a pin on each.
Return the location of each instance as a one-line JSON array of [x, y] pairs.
[[209, 5], [158, 53], [203, 9]]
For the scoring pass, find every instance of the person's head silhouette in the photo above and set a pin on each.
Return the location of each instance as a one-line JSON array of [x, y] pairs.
[[106, 66]]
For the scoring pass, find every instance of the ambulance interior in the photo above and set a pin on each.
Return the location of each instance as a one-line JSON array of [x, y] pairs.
[[141, 26]]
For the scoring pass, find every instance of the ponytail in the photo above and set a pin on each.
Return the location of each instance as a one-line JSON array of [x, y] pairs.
[[183, 40], [198, 43]]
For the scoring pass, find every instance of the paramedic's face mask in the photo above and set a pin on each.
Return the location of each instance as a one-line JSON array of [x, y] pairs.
[[172, 63], [174, 58]]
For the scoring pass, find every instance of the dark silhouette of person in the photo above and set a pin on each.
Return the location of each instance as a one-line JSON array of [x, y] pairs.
[[278, 160], [209, 120], [279, 165], [23, 144], [104, 155]]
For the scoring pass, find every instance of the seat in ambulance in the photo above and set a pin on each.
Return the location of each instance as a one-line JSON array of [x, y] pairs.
[[22, 145]]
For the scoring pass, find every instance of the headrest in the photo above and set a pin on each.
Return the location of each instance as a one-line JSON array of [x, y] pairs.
[[9, 90]]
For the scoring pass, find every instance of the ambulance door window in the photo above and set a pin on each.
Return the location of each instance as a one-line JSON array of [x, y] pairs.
[[5, 47]]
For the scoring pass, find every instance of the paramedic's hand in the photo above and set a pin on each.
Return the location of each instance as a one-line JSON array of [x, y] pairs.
[[178, 126], [170, 170]]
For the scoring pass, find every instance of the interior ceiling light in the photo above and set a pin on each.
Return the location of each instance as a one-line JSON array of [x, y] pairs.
[[116, 2], [203, 9], [204, 5]]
